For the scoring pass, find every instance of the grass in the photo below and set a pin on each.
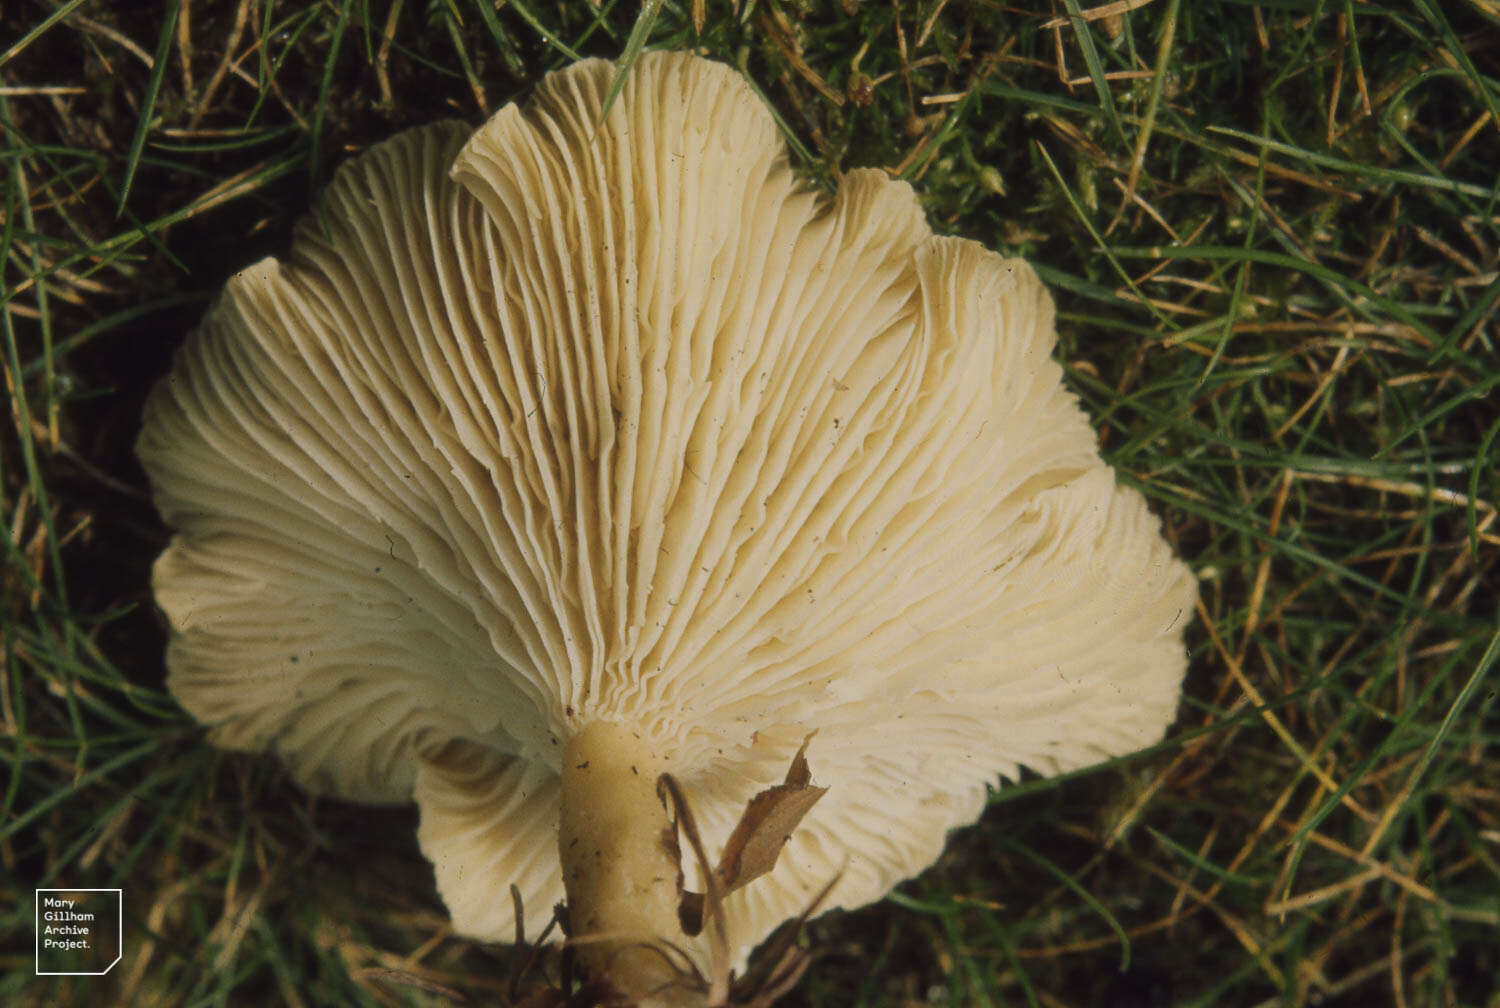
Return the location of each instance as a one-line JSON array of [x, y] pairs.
[[1272, 231]]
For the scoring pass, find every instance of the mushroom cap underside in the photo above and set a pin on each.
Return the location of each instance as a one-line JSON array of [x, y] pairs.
[[566, 420]]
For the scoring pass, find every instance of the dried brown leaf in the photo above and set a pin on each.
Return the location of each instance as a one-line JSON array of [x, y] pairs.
[[769, 820]]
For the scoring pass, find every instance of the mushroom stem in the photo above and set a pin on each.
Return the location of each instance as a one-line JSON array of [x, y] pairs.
[[620, 863]]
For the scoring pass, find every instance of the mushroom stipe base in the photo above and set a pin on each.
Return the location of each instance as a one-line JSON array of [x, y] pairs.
[[619, 860], [624, 818]]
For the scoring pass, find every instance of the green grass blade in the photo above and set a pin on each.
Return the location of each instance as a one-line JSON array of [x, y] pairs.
[[148, 104], [644, 22]]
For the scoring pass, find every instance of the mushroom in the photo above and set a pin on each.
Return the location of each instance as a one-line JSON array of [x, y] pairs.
[[589, 452]]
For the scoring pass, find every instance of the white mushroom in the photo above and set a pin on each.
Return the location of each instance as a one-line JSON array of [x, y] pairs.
[[569, 453]]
